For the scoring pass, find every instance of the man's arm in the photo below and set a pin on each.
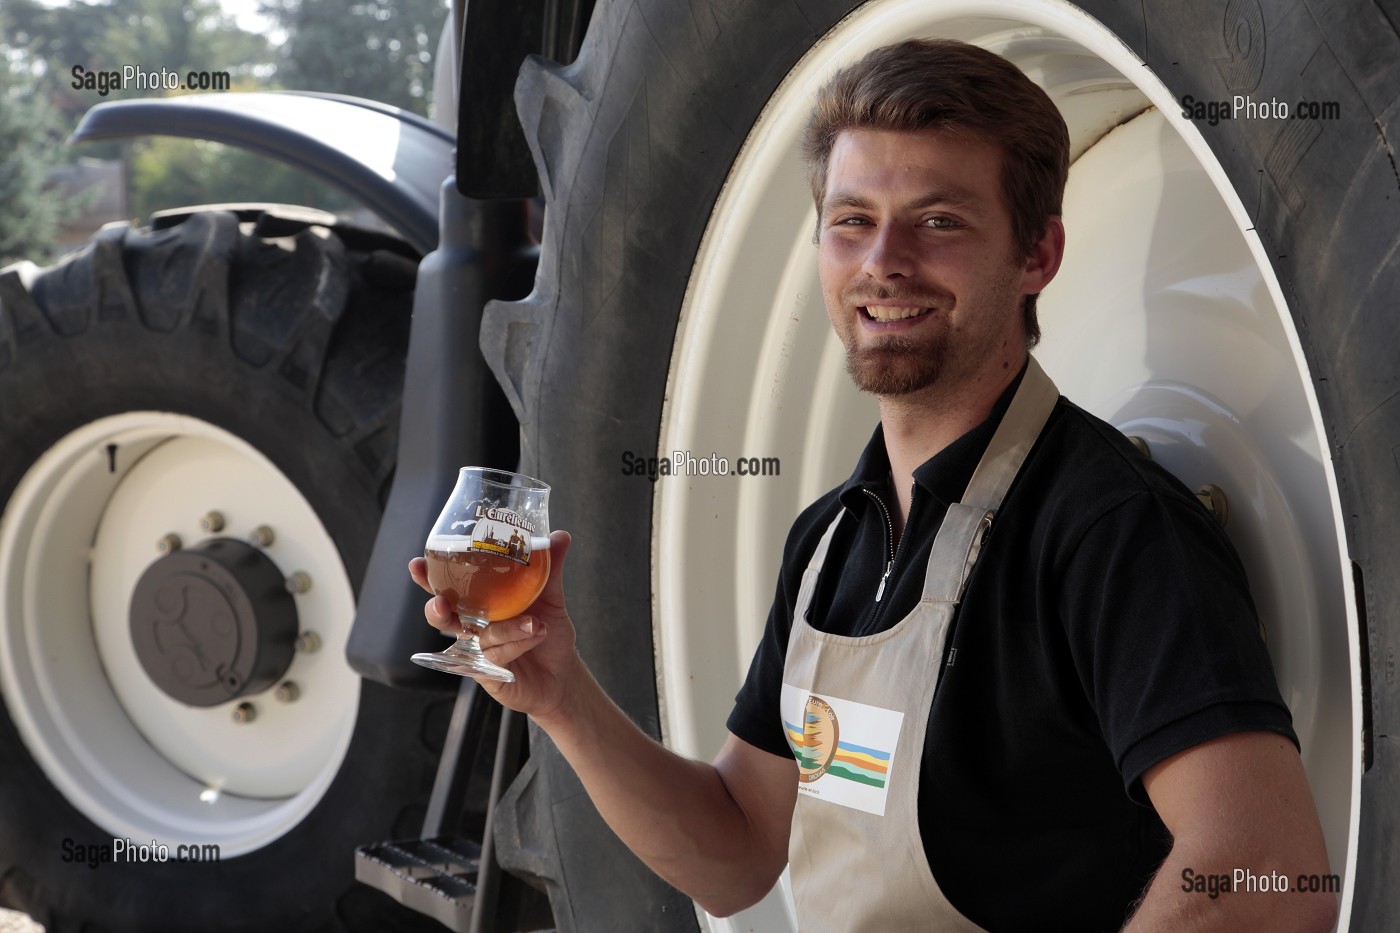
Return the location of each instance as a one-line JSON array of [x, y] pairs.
[[718, 832], [1240, 801]]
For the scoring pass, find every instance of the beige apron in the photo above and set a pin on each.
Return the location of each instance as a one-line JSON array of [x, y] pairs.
[[856, 711]]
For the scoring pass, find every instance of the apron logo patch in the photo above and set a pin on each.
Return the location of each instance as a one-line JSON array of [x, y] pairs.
[[844, 749], [816, 744]]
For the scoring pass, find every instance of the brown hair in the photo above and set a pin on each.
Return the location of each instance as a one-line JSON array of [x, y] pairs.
[[923, 84]]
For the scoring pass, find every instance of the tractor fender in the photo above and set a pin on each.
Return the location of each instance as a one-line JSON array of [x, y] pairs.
[[388, 159]]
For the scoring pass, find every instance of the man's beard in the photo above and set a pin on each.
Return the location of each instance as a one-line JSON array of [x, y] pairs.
[[896, 366]]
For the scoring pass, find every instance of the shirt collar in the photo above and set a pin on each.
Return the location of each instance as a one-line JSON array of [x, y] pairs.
[[945, 475]]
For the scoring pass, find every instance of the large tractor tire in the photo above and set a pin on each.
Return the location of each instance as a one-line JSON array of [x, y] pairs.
[[213, 382], [1227, 296]]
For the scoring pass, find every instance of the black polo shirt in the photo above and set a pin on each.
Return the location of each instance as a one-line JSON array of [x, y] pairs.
[[1107, 626]]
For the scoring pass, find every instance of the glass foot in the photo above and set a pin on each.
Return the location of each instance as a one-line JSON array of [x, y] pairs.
[[466, 660]]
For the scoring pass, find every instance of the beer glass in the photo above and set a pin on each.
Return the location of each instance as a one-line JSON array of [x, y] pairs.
[[488, 554]]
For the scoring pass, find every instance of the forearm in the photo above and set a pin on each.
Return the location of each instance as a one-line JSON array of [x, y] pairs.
[[722, 843], [1237, 803], [1195, 892], [675, 813]]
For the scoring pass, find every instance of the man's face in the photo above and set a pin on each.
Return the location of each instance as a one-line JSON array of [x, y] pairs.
[[916, 258]]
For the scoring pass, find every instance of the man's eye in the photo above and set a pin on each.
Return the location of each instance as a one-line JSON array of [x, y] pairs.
[[940, 222]]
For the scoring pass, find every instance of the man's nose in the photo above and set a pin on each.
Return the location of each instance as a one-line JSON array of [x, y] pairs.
[[892, 253]]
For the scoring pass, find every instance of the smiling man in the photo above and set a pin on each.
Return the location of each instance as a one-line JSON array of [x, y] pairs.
[[1012, 677]]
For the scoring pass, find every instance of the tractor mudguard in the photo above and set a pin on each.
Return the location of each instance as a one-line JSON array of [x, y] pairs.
[[390, 160]]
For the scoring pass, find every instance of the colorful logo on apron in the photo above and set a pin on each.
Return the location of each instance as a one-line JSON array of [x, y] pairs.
[[844, 749], [817, 742]]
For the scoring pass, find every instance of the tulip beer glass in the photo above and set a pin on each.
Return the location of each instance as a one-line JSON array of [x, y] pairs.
[[488, 555]]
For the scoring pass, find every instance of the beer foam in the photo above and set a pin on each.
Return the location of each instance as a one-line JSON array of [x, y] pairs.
[[454, 543], [449, 543]]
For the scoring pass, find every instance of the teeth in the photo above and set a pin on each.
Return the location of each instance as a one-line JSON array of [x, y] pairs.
[[885, 313]]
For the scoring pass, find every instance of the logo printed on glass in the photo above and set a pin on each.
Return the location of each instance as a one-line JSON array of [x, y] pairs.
[[844, 749], [504, 532]]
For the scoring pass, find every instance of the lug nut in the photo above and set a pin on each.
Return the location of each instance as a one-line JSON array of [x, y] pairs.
[[1213, 498], [286, 692], [168, 543], [299, 582], [1141, 445], [244, 713], [212, 522], [308, 643], [261, 536]]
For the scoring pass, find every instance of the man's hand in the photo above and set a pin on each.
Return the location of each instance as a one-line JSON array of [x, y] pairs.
[[717, 831], [537, 646]]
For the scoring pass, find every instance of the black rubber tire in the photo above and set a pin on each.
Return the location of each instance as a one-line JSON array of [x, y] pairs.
[[633, 142], [301, 354]]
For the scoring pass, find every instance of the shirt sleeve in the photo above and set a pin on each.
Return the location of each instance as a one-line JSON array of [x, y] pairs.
[[1164, 633]]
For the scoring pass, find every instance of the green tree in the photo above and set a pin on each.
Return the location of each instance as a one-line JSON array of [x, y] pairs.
[[29, 143], [41, 45], [46, 43], [378, 49]]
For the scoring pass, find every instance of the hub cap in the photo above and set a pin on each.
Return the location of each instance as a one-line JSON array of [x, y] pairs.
[[213, 623]]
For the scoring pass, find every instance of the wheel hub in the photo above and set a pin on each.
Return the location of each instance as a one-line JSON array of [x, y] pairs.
[[213, 623]]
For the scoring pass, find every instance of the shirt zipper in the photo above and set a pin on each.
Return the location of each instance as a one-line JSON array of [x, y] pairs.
[[889, 530], [892, 551]]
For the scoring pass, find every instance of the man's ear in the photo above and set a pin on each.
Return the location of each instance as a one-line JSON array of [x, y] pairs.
[[1044, 259]]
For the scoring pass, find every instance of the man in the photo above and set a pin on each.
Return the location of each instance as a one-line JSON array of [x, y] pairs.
[[1012, 665]]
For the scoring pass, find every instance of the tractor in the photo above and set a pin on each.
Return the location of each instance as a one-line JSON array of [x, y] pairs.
[[603, 257]]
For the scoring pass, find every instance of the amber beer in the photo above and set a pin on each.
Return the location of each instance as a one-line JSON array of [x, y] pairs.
[[484, 584]]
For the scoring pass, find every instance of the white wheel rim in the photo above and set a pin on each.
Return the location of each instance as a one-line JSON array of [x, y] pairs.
[[1206, 366], [75, 537]]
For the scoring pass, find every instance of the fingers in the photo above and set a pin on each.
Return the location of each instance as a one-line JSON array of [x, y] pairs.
[[553, 593], [418, 570], [438, 611], [505, 641], [510, 631]]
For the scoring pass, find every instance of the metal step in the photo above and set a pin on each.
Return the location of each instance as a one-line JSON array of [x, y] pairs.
[[450, 873], [436, 877]]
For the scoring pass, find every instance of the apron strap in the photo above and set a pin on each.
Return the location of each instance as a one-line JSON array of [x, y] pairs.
[[965, 527], [808, 587], [1030, 409], [819, 555]]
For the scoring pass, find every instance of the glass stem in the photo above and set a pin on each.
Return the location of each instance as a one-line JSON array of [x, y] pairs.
[[468, 643]]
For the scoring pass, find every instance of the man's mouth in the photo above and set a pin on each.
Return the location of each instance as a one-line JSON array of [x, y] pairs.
[[887, 313]]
